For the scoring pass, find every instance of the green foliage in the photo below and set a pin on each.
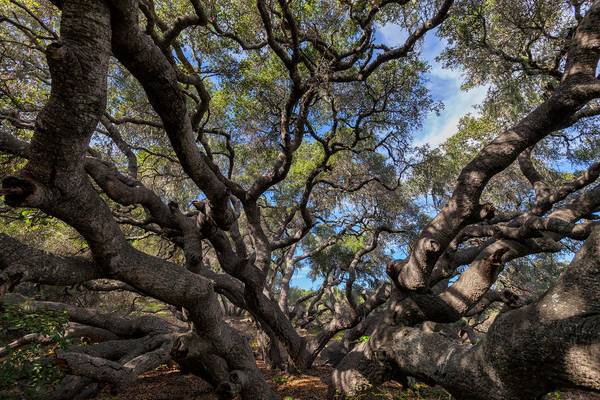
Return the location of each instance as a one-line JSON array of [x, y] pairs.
[[363, 339], [49, 323], [280, 379], [153, 307], [420, 391], [27, 371], [107, 396], [248, 89], [306, 158]]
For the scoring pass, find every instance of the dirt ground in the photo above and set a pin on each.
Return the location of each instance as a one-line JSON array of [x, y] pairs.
[[169, 384]]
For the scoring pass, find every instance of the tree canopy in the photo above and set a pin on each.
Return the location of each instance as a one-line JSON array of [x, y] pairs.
[[168, 167]]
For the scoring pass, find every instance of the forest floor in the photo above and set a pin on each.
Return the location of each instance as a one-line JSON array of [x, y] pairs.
[[168, 383]]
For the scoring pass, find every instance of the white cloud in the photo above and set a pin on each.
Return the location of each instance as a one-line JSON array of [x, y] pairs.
[[437, 129], [392, 34], [444, 86], [302, 279]]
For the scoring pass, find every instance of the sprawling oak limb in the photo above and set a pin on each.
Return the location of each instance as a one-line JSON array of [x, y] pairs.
[[136, 345], [559, 223], [114, 362], [545, 196], [22, 263], [95, 334], [398, 342], [448, 304], [147, 63], [578, 86], [123, 347], [23, 341], [558, 334], [122, 326], [54, 180], [119, 375]]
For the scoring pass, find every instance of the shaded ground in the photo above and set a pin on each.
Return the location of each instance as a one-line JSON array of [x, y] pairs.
[[169, 384], [165, 384]]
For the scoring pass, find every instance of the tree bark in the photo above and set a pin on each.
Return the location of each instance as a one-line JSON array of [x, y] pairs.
[[551, 344]]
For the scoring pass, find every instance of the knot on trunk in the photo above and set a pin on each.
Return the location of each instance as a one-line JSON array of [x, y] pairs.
[[236, 382], [487, 211], [393, 270], [21, 192], [56, 51], [8, 281], [180, 350], [61, 60]]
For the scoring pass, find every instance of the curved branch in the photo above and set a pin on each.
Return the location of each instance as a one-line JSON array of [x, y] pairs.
[[577, 88]]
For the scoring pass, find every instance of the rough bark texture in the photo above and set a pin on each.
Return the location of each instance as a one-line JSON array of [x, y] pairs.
[[558, 334], [578, 86], [54, 180]]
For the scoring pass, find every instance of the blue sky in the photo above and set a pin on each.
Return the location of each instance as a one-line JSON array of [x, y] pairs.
[[445, 86]]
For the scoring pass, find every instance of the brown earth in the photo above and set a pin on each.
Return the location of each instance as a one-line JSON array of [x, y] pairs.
[[168, 383]]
